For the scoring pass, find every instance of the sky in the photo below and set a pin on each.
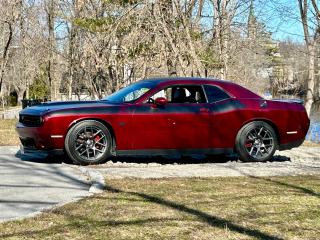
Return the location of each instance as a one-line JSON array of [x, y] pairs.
[[282, 18]]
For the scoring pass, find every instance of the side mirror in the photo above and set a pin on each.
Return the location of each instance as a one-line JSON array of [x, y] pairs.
[[160, 101]]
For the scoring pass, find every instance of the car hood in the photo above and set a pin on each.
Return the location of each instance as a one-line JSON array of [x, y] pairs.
[[49, 107]]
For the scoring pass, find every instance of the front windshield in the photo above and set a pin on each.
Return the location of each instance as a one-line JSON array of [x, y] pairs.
[[131, 92]]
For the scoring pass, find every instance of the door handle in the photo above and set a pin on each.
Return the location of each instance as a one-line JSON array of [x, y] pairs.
[[204, 110]]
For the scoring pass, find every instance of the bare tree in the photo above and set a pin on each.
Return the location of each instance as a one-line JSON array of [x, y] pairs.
[[97, 47], [50, 8], [311, 29], [10, 14]]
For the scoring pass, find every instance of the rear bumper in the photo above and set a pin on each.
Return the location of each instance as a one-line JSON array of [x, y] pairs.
[[290, 145]]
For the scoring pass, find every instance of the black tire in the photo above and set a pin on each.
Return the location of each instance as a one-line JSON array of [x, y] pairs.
[[256, 142], [88, 142]]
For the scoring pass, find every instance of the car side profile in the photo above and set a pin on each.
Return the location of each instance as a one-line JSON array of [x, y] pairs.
[[166, 116]]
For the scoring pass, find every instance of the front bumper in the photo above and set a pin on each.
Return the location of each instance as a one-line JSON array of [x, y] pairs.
[[40, 153], [39, 138]]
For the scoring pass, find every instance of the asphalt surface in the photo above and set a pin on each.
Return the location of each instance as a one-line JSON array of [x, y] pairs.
[[30, 185]]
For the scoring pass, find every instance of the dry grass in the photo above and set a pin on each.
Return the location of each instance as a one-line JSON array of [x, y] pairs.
[[213, 208], [8, 134]]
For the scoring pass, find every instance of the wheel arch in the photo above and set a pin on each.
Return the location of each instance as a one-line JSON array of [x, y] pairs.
[[105, 123], [268, 121]]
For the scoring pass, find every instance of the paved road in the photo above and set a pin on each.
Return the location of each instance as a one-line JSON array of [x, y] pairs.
[[29, 185], [298, 161]]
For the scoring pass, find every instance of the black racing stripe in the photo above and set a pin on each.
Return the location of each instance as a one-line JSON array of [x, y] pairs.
[[91, 110]]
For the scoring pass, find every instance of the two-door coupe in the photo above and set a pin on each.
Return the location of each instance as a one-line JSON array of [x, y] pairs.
[[166, 116]]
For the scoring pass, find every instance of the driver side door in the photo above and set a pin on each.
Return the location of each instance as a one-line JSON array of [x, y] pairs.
[[151, 128], [182, 124]]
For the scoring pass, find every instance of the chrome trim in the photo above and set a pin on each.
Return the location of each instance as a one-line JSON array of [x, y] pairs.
[[292, 132], [56, 136]]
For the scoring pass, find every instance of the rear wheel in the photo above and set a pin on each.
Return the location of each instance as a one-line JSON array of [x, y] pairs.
[[256, 142], [88, 142]]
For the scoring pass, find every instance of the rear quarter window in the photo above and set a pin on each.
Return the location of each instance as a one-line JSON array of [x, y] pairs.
[[215, 94]]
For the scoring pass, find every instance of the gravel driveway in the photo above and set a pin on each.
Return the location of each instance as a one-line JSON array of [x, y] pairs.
[[299, 161]]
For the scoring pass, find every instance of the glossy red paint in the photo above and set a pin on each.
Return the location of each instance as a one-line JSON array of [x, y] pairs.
[[141, 125]]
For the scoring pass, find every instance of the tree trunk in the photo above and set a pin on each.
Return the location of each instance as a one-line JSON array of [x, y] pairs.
[[73, 44], [161, 18], [192, 48], [5, 55], [311, 78], [311, 44], [20, 94], [71, 61], [219, 33], [50, 66]]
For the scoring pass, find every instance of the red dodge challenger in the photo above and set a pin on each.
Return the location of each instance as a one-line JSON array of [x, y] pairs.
[[163, 117]]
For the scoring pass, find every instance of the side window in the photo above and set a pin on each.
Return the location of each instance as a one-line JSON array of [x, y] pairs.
[[182, 94], [166, 93], [135, 94], [215, 94]]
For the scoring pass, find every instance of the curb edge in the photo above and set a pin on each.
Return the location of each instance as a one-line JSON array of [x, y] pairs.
[[97, 180]]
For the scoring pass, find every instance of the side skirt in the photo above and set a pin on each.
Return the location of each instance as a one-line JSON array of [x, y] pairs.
[[166, 152]]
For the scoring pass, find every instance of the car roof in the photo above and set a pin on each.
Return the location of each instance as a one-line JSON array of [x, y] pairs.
[[173, 79], [229, 86]]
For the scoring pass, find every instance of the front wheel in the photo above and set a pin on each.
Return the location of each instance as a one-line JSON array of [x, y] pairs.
[[256, 142], [88, 142]]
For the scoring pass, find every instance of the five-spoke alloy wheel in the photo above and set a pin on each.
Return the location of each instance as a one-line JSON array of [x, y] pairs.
[[88, 142], [256, 141]]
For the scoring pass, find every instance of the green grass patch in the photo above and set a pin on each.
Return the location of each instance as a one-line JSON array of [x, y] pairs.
[[190, 208], [8, 134]]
